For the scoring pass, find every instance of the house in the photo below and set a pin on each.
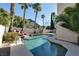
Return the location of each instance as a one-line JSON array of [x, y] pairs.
[[2, 29]]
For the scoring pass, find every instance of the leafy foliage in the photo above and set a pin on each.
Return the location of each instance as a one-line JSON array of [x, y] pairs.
[[68, 10], [75, 22], [63, 18], [17, 21], [10, 37], [24, 6], [4, 17], [5, 20], [37, 8], [70, 17]]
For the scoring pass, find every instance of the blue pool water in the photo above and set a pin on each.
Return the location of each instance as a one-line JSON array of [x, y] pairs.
[[40, 46]]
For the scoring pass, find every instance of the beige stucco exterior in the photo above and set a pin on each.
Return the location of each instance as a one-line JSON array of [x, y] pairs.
[[66, 34]]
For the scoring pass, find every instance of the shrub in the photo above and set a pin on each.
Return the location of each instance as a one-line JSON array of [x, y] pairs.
[[64, 18], [68, 11], [75, 22], [10, 37], [71, 18]]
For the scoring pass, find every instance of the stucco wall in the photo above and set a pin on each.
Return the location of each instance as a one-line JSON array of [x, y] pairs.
[[66, 34], [2, 28]]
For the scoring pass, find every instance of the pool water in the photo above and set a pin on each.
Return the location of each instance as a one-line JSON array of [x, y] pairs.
[[40, 46]]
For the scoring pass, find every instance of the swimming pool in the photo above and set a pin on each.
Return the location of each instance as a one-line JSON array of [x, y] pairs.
[[41, 46]]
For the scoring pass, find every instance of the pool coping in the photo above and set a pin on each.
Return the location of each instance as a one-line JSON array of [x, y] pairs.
[[72, 49]]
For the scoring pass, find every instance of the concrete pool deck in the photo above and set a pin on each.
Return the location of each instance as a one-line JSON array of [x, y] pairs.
[[72, 49], [16, 50], [19, 50]]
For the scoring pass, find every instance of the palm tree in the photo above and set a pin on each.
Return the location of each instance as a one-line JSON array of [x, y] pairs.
[[24, 6], [43, 16], [52, 18], [4, 18], [12, 15], [37, 8]]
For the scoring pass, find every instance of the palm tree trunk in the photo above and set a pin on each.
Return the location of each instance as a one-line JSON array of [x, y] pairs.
[[23, 20], [36, 18], [12, 15], [11, 23], [43, 23]]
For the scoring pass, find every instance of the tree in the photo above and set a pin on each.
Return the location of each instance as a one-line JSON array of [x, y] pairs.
[[24, 6], [12, 15], [52, 18], [43, 16], [17, 21], [4, 18], [37, 8]]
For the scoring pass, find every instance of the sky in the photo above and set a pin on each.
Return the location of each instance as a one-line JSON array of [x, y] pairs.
[[47, 9]]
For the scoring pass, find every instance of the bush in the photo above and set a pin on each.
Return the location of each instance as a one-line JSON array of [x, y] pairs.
[[68, 11], [10, 37], [71, 18], [63, 17], [75, 22]]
